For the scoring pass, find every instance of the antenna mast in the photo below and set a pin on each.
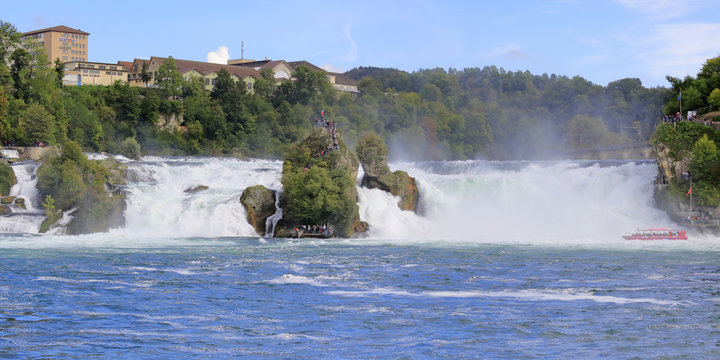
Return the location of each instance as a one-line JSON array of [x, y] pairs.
[[242, 50]]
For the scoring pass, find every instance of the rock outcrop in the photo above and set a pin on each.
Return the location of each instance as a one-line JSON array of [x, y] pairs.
[[259, 203], [319, 184], [195, 189], [372, 152], [71, 181]]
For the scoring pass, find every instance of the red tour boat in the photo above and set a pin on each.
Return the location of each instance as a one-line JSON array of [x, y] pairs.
[[657, 234]]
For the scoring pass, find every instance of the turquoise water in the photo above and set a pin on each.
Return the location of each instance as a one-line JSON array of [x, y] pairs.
[[354, 299]]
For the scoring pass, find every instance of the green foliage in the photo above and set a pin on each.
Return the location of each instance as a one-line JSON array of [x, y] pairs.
[[714, 98], [169, 79], [72, 180], [52, 215], [7, 178], [38, 124], [427, 114], [681, 137], [372, 153], [130, 148], [320, 189], [704, 159]]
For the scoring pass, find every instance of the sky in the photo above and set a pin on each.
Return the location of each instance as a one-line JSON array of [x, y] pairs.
[[599, 40]]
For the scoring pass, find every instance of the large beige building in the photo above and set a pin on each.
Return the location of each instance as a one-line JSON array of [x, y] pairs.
[[60, 42]]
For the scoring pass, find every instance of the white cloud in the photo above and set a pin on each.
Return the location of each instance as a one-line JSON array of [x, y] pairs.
[[332, 68], [219, 56], [679, 49], [352, 54]]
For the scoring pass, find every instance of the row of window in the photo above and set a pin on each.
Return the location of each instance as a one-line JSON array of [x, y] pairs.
[[74, 36]]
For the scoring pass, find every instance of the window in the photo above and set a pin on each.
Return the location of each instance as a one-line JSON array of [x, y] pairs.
[[214, 81], [250, 85], [113, 68], [109, 73], [101, 66], [207, 81], [91, 66]]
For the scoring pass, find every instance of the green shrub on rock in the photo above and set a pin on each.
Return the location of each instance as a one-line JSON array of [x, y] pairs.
[[319, 185], [74, 181], [7, 178]]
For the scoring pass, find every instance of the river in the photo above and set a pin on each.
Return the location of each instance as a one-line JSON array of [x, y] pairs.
[[508, 260]]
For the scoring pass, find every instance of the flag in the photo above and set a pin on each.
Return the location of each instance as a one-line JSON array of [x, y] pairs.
[[689, 191], [322, 112], [679, 95]]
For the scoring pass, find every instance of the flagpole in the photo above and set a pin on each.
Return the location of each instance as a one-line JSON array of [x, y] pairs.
[[680, 98]]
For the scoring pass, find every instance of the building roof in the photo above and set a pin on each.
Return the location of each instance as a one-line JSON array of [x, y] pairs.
[[340, 78], [294, 64], [126, 64], [61, 28], [205, 68]]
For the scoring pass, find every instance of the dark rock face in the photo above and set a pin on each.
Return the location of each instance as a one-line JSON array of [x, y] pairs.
[[194, 189], [372, 152], [259, 203]]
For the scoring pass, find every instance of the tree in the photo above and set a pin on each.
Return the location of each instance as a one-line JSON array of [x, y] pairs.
[[714, 98], [169, 79], [21, 73], [38, 124], [60, 72], [145, 75], [704, 158], [9, 38], [710, 67]]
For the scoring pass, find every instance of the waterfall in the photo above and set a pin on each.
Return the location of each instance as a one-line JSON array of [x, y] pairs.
[[273, 219], [553, 202], [26, 220]]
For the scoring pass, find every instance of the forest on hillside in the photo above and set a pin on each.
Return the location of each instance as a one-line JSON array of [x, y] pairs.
[[428, 114]]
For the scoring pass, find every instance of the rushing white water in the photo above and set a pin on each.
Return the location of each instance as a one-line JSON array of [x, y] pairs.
[[558, 203], [498, 202], [26, 186], [26, 220]]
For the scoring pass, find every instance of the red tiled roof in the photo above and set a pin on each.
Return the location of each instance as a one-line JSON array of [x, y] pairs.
[[61, 28], [126, 64]]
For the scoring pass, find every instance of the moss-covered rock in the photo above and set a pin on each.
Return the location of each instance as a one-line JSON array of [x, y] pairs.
[[372, 151], [373, 155], [259, 203], [319, 184], [7, 178], [397, 183]]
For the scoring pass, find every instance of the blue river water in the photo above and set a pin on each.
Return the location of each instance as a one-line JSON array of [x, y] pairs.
[[234, 297]]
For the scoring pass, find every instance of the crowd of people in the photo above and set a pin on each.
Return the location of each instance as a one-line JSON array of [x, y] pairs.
[[703, 217], [329, 126], [312, 229]]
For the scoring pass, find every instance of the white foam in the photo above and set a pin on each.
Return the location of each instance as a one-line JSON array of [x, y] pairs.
[[526, 295], [295, 279]]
